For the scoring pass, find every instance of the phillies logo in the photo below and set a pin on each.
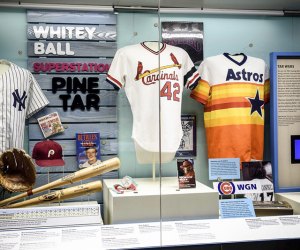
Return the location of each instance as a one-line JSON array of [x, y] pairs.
[[226, 188], [149, 78], [51, 152], [19, 99]]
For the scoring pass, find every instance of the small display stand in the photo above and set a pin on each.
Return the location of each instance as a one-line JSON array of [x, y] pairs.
[[292, 198], [158, 199]]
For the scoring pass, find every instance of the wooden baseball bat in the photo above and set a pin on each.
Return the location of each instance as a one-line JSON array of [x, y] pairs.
[[60, 195], [83, 174]]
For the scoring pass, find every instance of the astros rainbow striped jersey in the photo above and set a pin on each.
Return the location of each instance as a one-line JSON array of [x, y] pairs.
[[233, 89]]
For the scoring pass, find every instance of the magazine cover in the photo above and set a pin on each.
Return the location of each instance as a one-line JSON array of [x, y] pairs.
[[260, 171], [186, 173], [50, 124], [88, 149], [188, 145], [186, 35]]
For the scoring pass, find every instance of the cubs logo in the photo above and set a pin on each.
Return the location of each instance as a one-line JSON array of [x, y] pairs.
[[226, 188]]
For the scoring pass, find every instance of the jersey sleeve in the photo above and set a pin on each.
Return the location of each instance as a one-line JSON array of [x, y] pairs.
[[267, 85], [37, 99], [116, 75], [191, 76], [202, 91]]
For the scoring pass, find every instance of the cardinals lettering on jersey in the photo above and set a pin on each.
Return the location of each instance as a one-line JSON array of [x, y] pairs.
[[234, 90]]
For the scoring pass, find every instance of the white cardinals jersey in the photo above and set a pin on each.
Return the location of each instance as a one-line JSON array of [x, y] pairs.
[[21, 97], [147, 75]]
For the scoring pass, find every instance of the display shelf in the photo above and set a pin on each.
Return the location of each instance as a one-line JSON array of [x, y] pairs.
[[154, 200]]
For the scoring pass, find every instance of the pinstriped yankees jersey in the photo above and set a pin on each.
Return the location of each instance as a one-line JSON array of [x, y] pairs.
[[21, 97], [233, 90], [147, 75]]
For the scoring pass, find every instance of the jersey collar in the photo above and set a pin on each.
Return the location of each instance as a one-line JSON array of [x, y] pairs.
[[153, 51], [231, 58]]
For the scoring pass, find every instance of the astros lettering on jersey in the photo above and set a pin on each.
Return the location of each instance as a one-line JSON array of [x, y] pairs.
[[147, 75], [21, 97], [234, 90]]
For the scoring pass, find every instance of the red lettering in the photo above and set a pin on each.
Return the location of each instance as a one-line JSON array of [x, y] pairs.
[[85, 67], [70, 67], [36, 67], [65, 67]]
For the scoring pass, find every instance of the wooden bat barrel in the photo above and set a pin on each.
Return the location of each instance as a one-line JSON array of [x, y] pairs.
[[60, 195]]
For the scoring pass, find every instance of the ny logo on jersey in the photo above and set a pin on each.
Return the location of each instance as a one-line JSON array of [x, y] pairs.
[[19, 99]]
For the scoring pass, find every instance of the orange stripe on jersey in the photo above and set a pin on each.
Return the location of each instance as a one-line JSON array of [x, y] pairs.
[[234, 120], [227, 105], [232, 112], [236, 141], [235, 84], [201, 92], [236, 91], [198, 97], [227, 100]]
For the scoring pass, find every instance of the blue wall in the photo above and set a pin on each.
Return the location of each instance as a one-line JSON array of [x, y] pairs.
[[254, 35]]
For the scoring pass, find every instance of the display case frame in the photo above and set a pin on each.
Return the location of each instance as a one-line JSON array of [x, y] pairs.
[[274, 57]]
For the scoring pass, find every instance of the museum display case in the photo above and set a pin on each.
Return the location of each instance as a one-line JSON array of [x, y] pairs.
[[149, 124]]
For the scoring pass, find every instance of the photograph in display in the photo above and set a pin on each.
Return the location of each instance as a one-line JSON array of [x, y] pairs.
[[188, 143], [88, 149], [186, 173], [261, 173], [50, 124], [186, 35]]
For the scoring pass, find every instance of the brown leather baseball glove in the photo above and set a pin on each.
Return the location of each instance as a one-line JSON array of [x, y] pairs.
[[17, 171]]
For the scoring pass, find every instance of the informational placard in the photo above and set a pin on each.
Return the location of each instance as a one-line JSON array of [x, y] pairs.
[[224, 168], [285, 120], [154, 234], [52, 216], [236, 208]]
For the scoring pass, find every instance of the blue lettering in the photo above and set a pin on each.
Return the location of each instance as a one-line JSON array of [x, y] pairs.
[[255, 77], [230, 75], [246, 186], [246, 76]]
